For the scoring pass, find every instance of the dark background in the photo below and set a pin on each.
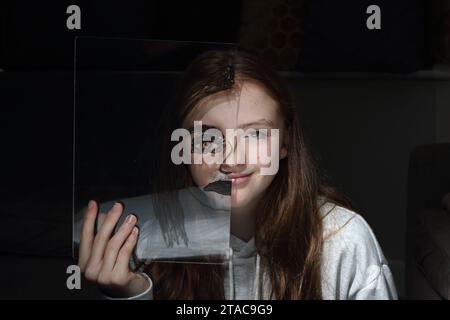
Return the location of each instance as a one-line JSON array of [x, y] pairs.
[[362, 125]]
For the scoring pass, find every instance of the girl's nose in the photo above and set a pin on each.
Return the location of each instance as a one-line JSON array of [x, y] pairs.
[[226, 168], [234, 152], [230, 165]]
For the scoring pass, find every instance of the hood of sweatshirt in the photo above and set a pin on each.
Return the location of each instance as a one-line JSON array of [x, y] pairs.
[[243, 269]]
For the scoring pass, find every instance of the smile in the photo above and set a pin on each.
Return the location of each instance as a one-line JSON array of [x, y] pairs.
[[239, 179]]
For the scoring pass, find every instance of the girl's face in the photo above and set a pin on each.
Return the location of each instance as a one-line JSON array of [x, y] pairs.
[[248, 107]]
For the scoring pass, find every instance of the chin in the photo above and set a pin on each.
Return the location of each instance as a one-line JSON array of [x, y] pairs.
[[242, 199]]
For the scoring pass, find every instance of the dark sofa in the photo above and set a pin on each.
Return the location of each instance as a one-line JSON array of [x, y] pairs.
[[428, 225]]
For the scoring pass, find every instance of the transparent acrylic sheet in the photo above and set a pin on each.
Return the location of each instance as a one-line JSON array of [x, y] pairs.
[[122, 95]]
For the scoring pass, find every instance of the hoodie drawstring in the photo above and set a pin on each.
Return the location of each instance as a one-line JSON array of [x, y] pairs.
[[231, 276], [256, 280], [231, 294]]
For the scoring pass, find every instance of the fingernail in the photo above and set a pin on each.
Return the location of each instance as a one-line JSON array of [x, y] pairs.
[[91, 204], [135, 230], [131, 219], [116, 206]]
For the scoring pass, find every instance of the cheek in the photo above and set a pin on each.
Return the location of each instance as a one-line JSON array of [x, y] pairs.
[[261, 183], [266, 180], [264, 153]]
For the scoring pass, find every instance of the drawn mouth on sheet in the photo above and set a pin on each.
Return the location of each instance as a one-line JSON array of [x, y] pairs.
[[220, 186]]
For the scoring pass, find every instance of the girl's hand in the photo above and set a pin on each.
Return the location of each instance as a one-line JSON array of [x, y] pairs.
[[104, 259]]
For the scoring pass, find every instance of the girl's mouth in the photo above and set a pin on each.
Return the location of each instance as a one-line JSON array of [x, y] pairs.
[[239, 180]]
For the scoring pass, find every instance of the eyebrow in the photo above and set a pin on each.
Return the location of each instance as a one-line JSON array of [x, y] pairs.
[[204, 128], [264, 122]]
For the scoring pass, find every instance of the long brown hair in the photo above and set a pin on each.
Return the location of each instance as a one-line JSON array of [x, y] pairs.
[[289, 230]]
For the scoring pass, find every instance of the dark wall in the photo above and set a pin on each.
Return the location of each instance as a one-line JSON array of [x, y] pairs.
[[33, 35]]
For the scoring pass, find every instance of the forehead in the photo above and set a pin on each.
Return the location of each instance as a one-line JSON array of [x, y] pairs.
[[250, 103]]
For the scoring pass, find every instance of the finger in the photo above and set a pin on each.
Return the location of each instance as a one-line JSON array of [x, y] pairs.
[[116, 243], [100, 219], [123, 259], [87, 234], [104, 234]]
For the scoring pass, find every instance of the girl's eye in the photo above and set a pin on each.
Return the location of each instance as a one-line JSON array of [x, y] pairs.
[[258, 134], [216, 145], [212, 146], [207, 145]]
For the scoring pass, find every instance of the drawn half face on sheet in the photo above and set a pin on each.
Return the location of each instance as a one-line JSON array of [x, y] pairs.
[[113, 162]]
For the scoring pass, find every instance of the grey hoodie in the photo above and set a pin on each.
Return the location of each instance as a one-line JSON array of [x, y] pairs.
[[353, 264]]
